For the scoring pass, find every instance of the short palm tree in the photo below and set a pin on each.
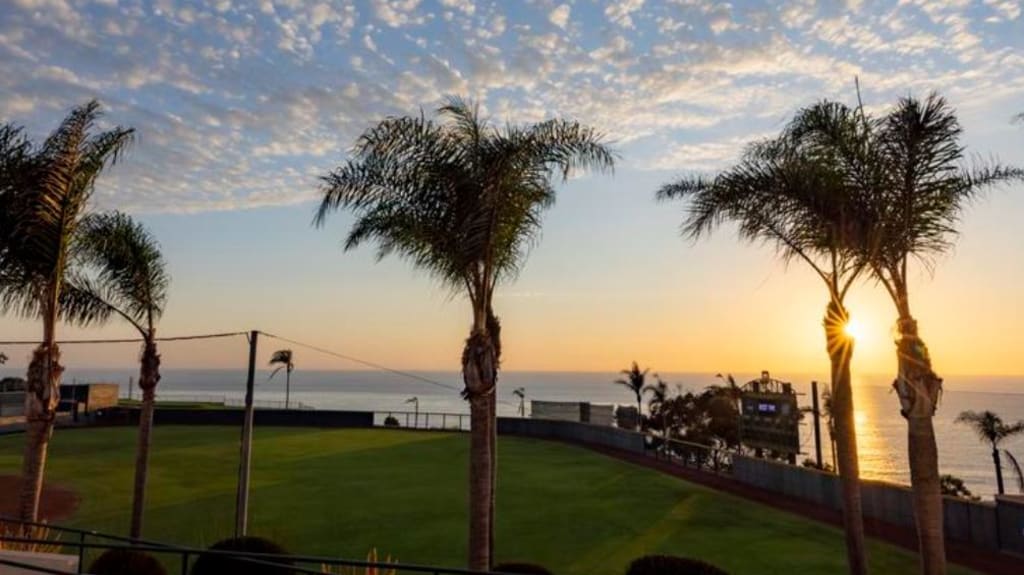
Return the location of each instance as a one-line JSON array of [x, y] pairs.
[[635, 380], [124, 268], [990, 427], [793, 197], [520, 393], [462, 200], [655, 405], [909, 165], [284, 359], [46, 192]]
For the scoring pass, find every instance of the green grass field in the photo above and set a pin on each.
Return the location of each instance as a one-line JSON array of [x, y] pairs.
[[343, 492]]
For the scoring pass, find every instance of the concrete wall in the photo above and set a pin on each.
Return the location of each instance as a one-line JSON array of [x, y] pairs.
[[572, 431], [12, 403], [556, 410], [1010, 509], [965, 521]]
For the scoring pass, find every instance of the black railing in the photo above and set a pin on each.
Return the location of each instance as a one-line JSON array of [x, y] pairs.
[[422, 420], [184, 556], [691, 455]]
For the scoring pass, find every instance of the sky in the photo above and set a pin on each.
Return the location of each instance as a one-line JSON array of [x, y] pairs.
[[240, 106]]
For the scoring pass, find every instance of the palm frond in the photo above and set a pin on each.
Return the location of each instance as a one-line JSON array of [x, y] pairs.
[[1018, 472], [125, 261], [48, 190], [457, 197]]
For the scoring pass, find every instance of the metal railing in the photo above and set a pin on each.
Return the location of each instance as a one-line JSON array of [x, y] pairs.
[[222, 400], [697, 456], [422, 420], [184, 557]]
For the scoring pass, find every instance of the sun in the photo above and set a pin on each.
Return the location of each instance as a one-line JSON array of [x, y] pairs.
[[854, 329]]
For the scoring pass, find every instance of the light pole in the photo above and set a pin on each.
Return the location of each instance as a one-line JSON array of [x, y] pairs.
[[520, 392], [416, 414]]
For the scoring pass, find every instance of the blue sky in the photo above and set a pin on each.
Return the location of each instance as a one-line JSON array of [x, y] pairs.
[[241, 105]]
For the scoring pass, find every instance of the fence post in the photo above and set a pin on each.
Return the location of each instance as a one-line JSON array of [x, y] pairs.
[[242, 503], [81, 550], [817, 423]]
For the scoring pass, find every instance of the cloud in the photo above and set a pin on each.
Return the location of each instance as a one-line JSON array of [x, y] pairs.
[[620, 11], [241, 104], [560, 16]]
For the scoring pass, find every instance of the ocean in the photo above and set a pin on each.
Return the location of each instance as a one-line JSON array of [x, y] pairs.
[[881, 431]]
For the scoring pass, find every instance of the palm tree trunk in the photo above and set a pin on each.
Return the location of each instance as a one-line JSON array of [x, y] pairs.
[[492, 405], [999, 470], [149, 376], [41, 399], [840, 350], [479, 372], [639, 414], [287, 386], [918, 389]]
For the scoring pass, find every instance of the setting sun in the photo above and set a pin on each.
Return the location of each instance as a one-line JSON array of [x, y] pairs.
[[854, 329]]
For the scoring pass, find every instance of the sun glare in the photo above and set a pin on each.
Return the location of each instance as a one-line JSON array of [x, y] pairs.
[[854, 329]]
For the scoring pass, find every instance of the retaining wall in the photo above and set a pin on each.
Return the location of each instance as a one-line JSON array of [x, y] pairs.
[[572, 431], [965, 521], [273, 417]]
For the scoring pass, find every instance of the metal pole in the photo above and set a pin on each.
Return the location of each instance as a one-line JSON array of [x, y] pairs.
[[817, 423], [242, 504]]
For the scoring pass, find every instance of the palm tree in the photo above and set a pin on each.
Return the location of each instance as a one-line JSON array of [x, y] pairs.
[[129, 274], [283, 359], [908, 164], [659, 397], [46, 197], [789, 195], [990, 427], [462, 200], [520, 392], [635, 379]]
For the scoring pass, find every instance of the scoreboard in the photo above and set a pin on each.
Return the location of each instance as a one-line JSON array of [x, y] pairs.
[[769, 416]]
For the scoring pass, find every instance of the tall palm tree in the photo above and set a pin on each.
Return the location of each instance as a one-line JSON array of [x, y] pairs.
[[124, 268], [794, 198], [635, 379], [909, 165], [462, 199], [47, 191], [520, 392], [990, 427], [283, 359]]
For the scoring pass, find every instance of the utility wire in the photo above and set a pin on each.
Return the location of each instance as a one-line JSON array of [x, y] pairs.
[[130, 340], [364, 362]]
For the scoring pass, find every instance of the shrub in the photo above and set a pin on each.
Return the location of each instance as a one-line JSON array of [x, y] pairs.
[[669, 565], [126, 562], [371, 557], [391, 421], [220, 565], [523, 568], [15, 530]]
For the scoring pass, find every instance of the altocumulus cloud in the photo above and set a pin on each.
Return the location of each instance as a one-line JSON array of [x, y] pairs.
[[242, 103]]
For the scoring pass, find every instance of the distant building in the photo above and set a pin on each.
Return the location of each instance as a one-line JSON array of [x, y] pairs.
[[87, 397], [579, 411]]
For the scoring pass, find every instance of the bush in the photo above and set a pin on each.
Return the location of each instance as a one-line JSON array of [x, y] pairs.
[[220, 565], [126, 562], [523, 568], [391, 421], [669, 565]]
